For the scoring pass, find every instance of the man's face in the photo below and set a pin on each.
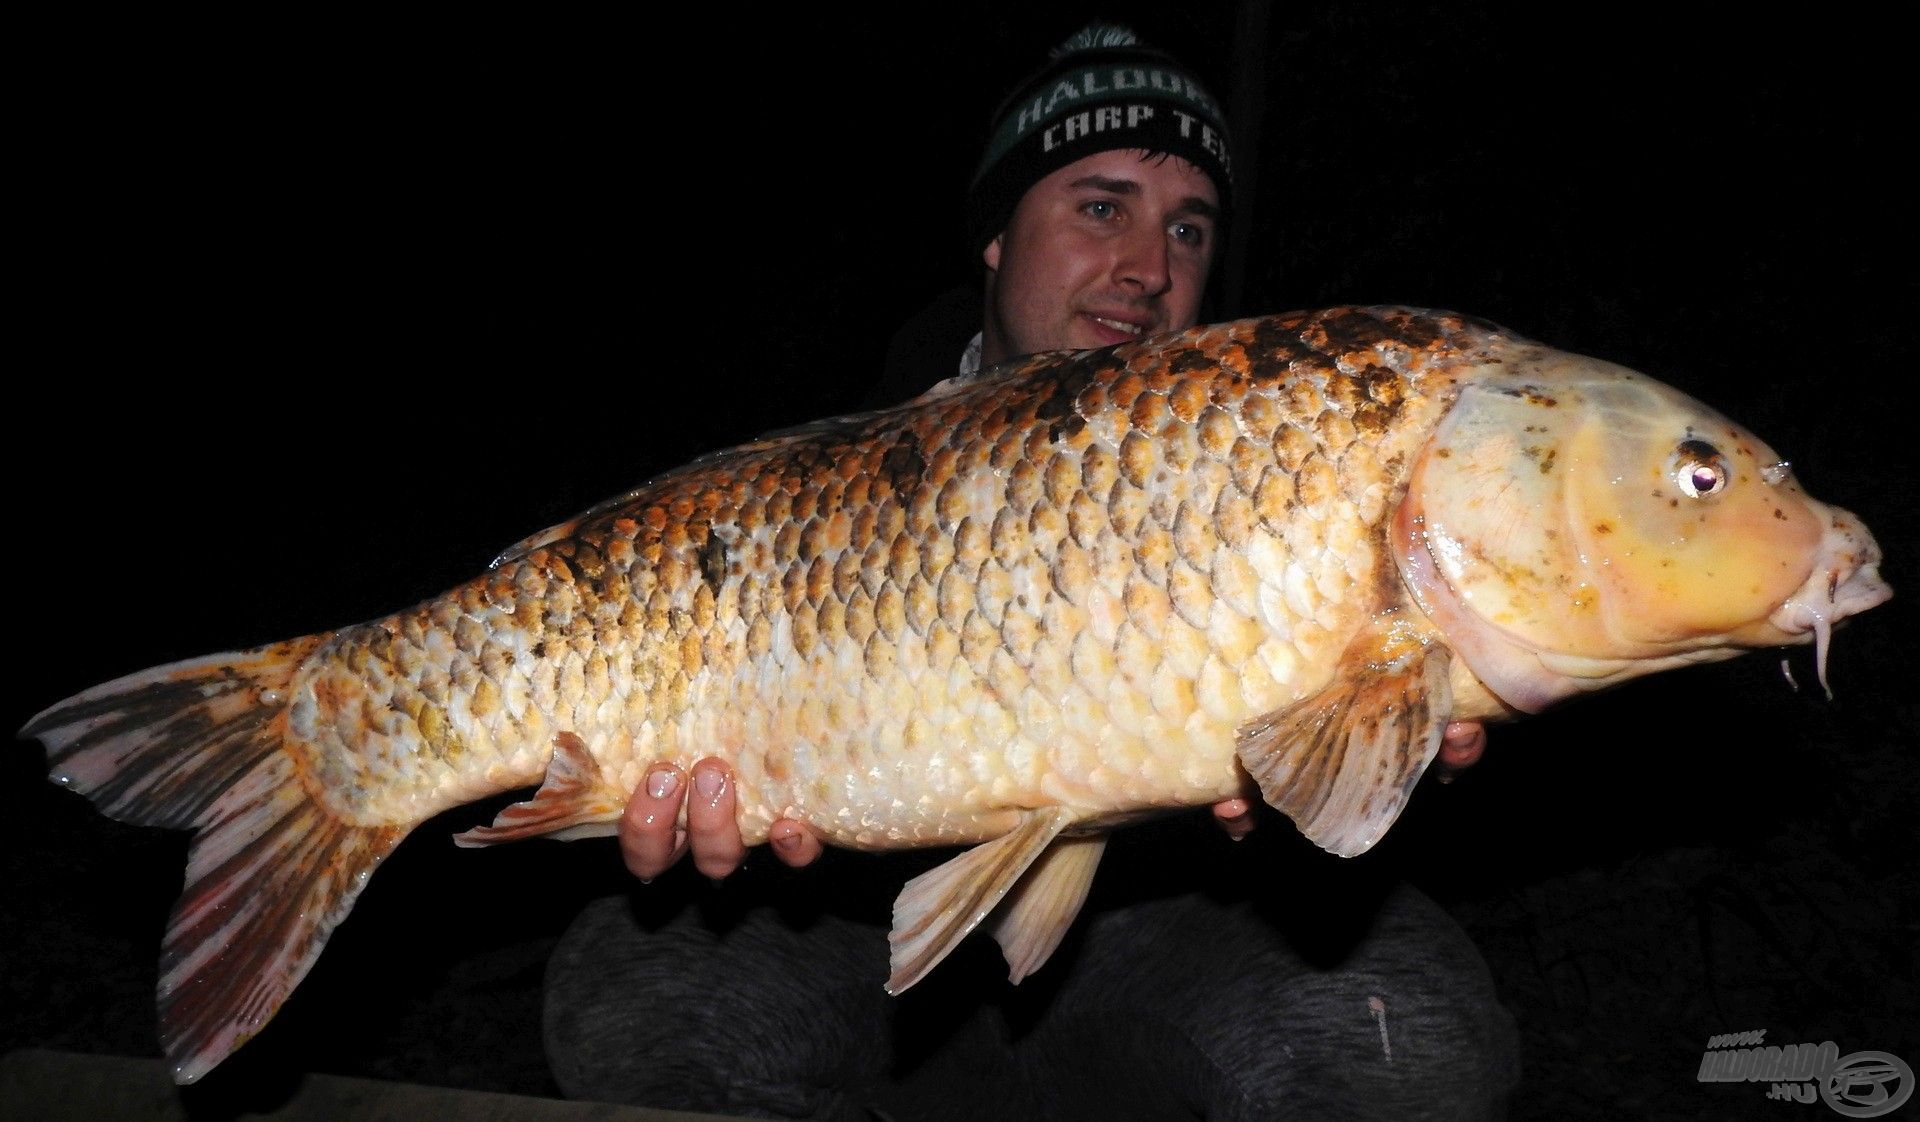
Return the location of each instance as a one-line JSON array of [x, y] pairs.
[[1107, 249]]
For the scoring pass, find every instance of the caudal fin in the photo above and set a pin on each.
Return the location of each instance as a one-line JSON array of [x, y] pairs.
[[200, 745]]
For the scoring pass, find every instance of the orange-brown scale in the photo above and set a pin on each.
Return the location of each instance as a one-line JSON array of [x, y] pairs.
[[1062, 589]]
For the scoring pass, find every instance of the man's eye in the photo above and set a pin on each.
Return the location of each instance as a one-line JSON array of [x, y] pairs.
[[1100, 208], [1188, 233]]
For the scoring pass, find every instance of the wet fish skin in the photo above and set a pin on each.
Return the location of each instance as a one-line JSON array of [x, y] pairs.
[[1018, 611], [1006, 544]]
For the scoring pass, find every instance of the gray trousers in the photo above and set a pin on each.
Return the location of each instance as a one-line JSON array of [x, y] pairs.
[[1178, 1007]]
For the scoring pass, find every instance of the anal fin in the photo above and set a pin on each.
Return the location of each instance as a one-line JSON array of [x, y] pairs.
[[1342, 762], [572, 802], [940, 906], [1037, 913]]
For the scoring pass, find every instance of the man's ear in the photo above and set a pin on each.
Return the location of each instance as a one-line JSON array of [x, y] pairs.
[[991, 254]]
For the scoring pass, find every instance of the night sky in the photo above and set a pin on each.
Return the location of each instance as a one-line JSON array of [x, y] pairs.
[[319, 318]]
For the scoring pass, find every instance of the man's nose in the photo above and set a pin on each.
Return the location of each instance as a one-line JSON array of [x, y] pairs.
[[1142, 261]]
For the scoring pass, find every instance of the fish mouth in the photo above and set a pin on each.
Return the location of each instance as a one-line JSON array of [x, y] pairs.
[[1831, 597], [1846, 583]]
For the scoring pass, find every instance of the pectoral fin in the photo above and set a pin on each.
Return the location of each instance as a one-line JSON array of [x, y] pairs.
[[940, 906], [572, 802], [1342, 762], [1041, 907]]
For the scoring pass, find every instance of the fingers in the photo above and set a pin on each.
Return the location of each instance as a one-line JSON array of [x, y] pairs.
[[652, 839], [650, 836], [1461, 746], [793, 843], [712, 832], [1236, 817]]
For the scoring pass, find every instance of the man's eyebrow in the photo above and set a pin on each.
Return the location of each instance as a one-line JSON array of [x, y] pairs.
[[1107, 183], [1191, 205], [1197, 207]]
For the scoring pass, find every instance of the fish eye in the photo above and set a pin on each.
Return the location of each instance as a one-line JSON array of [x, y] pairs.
[[1699, 470]]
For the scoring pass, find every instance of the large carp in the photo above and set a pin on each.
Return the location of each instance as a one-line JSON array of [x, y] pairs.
[[1012, 614]]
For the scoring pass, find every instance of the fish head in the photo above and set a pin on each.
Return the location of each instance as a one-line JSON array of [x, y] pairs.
[[1573, 524]]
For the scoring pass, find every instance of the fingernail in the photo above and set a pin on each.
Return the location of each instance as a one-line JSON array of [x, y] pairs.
[[709, 782], [787, 843], [661, 782]]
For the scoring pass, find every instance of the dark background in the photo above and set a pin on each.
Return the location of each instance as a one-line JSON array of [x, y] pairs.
[[320, 316]]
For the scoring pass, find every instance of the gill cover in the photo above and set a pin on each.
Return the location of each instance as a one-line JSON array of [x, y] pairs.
[[1573, 524]]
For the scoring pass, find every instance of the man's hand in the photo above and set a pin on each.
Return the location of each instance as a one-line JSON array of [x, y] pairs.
[[1461, 746], [1236, 817], [652, 839]]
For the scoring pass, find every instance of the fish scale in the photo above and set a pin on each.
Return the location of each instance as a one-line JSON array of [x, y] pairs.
[[841, 686], [971, 649], [1021, 610]]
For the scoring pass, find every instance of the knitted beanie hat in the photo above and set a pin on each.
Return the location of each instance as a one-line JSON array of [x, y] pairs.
[[1101, 90]]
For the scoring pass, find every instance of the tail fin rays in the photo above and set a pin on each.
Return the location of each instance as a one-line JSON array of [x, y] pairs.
[[264, 890], [201, 745]]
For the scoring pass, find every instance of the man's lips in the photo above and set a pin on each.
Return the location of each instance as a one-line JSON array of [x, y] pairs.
[[1114, 329]]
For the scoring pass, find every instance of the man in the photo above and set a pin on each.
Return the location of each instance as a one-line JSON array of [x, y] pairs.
[[1098, 210]]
